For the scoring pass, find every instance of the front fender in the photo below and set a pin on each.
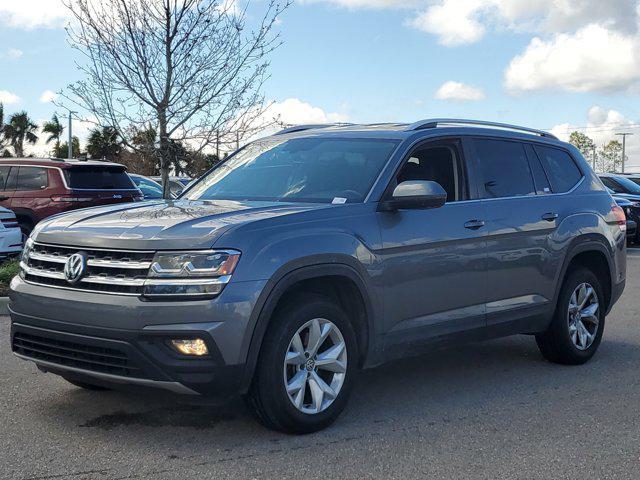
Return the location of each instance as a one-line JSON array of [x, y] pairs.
[[293, 272]]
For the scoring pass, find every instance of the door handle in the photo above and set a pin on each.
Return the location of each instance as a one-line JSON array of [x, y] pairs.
[[3, 198], [550, 217], [474, 224]]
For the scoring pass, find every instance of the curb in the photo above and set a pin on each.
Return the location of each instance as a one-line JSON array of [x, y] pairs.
[[4, 305]]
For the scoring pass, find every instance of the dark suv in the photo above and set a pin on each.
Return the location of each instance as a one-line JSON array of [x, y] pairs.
[[38, 188], [316, 252]]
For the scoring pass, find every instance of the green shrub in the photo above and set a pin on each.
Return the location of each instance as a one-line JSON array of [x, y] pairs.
[[8, 270]]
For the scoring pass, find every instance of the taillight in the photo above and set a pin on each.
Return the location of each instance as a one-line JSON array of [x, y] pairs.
[[621, 218], [63, 198]]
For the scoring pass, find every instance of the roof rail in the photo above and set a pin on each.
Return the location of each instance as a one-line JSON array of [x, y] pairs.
[[302, 128], [436, 122]]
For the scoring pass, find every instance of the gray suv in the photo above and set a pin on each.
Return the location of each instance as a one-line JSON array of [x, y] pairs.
[[322, 250]]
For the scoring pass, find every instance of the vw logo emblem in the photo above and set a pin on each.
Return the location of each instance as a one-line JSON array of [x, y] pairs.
[[75, 267]]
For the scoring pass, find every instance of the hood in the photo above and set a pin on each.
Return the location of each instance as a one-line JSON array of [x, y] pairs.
[[162, 225]]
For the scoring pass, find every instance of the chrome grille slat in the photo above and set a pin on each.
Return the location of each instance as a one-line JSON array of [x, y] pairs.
[[108, 271]]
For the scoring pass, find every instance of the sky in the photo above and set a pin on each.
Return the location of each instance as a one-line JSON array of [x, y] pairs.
[[557, 65]]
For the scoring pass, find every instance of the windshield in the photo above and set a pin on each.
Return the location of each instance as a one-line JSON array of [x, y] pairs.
[[324, 170]]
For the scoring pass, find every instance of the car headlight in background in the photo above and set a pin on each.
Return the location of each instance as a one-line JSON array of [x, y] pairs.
[[24, 256], [190, 274]]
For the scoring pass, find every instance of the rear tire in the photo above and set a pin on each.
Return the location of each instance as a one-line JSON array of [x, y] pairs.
[[575, 332], [274, 397]]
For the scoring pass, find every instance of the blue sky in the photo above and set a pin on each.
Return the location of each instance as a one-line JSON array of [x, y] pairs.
[[541, 63]]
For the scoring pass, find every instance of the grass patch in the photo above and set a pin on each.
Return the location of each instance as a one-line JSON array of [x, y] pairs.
[[8, 270]]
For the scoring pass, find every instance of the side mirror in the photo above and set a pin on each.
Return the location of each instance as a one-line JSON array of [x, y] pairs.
[[415, 195]]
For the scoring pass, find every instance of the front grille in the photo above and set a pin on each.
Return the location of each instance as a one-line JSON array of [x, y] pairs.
[[116, 272], [73, 354]]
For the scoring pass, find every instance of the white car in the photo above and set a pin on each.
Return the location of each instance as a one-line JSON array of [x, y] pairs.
[[10, 233]]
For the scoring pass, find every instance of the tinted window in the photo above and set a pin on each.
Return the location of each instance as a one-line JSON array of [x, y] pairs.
[[31, 178], [609, 183], [623, 185], [505, 169], [539, 176], [98, 178], [441, 164], [323, 170], [149, 188], [562, 170], [4, 174]]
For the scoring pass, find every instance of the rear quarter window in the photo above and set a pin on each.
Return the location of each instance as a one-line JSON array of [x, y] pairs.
[[98, 178], [561, 169]]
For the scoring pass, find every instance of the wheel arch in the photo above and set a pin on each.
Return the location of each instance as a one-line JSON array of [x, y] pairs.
[[310, 278], [594, 253]]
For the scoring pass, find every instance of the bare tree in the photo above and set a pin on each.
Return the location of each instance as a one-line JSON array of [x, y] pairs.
[[192, 68]]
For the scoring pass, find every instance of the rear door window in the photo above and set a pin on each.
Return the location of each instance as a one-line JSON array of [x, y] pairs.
[[543, 187], [98, 178], [562, 171], [32, 178], [4, 175], [504, 168]]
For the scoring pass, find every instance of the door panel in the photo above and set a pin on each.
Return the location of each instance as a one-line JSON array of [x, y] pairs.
[[433, 261], [520, 260], [521, 217], [434, 271]]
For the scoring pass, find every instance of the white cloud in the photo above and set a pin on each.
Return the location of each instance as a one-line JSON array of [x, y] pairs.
[[353, 4], [601, 126], [291, 112], [31, 14], [294, 111], [12, 53], [459, 92], [48, 96], [8, 98], [229, 7], [454, 22], [592, 59]]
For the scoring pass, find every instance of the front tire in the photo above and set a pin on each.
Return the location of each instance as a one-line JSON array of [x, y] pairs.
[[306, 368], [575, 332]]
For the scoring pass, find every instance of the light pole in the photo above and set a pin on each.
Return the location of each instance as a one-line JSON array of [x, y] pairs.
[[70, 141], [624, 146]]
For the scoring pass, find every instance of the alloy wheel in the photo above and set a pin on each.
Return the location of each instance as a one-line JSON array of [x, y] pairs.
[[583, 316], [315, 366]]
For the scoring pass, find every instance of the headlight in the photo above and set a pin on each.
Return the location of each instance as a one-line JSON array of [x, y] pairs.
[[189, 274], [24, 256]]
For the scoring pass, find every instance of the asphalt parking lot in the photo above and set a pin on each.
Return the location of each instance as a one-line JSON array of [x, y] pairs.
[[492, 410]]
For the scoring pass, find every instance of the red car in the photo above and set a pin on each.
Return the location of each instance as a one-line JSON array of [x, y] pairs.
[[38, 188]]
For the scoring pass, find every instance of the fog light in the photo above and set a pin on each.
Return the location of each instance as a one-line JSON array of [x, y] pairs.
[[190, 346]]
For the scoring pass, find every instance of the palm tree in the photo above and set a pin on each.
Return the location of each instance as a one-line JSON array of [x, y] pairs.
[[104, 143], [19, 129], [54, 128]]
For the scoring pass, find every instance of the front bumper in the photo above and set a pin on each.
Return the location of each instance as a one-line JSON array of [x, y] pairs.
[[123, 341]]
